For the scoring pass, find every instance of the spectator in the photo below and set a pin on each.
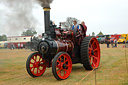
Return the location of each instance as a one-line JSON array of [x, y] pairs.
[[108, 42], [115, 42], [21, 46], [18, 45], [12, 46], [112, 43], [85, 27]]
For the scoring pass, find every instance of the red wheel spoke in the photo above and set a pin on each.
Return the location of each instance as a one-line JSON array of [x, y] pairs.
[[95, 57], [39, 59], [37, 70], [59, 71], [35, 58], [90, 53], [90, 49], [90, 45], [90, 58], [67, 65], [31, 67], [58, 66], [58, 61], [93, 64], [65, 61], [65, 71], [64, 58], [93, 43], [31, 63], [95, 50]]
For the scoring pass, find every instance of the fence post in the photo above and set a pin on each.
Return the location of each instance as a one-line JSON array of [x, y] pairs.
[[126, 62], [95, 77]]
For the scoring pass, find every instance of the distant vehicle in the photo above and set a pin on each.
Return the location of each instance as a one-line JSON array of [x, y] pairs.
[[123, 38], [18, 41], [112, 39], [3, 44], [116, 36], [102, 38], [99, 38]]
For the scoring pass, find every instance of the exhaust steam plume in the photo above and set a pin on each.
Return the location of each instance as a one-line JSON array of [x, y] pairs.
[[45, 3], [17, 15]]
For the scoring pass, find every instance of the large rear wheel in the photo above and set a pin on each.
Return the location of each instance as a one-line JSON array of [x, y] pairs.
[[61, 66], [35, 65], [90, 53]]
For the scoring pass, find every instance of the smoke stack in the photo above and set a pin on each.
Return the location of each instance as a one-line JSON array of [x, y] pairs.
[[47, 19]]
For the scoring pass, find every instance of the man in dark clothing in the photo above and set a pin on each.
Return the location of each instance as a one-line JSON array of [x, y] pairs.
[[115, 41], [112, 43], [85, 27], [108, 42]]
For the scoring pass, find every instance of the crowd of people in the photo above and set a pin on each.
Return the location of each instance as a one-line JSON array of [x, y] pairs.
[[20, 46], [112, 42]]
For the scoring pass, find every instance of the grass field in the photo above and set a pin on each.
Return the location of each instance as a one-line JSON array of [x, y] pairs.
[[112, 69]]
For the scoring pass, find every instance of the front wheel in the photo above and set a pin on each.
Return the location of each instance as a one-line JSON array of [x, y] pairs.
[[35, 65], [61, 66]]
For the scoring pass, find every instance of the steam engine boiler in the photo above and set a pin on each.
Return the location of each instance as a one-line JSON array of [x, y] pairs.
[[61, 48]]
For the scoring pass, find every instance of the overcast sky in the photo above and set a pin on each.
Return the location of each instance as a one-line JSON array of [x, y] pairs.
[[107, 16]]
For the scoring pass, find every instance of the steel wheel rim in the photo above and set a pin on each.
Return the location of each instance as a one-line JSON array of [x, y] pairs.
[[63, 66], [94, 53], [36, 65]]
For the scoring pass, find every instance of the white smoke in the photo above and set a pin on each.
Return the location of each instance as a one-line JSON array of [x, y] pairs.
[[17, 15], [45, 3]]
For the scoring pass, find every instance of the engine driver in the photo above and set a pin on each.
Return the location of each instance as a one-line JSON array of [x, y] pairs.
[[75, 26]]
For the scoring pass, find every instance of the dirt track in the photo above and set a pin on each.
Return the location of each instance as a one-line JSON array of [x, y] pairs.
[[112, 70]]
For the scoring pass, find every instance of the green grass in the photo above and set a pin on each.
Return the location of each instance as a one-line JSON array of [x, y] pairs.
[[112, 70]]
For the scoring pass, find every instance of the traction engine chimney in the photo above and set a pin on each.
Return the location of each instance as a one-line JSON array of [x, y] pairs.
[[47, 19]]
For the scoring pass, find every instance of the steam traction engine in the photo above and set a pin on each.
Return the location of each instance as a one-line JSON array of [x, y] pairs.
[[60, 49]]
